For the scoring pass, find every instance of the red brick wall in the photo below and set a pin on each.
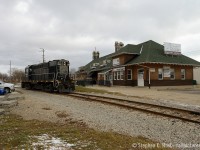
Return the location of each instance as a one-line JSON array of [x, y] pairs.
[[154, 76], [177, 69]]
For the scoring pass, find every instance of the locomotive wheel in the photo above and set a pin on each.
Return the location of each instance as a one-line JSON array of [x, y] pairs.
[[51, 88], [43, 87], [28, 86], [59, 90]]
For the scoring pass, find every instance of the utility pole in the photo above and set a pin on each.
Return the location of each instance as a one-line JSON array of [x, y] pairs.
[[43, 54], [10, 71]]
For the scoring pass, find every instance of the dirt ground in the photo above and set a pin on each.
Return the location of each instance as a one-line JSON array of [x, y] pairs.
[[48, 107], [185, 95]]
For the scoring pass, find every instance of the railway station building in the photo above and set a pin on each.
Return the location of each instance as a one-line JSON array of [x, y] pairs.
[[145, 64]]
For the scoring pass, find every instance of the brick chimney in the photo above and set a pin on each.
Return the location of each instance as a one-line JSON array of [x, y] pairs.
[[118, 45], [95, 55]]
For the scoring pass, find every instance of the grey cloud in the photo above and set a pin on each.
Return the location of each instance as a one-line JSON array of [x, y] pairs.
[[72, 29]]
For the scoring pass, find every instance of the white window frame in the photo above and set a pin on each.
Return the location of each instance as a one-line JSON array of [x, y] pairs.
[[159, 73], [129, 74], [172, 70], [183, 74], [121, 75], [118, 75]]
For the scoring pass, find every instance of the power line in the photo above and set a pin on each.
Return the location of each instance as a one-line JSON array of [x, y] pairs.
[[192, 52]]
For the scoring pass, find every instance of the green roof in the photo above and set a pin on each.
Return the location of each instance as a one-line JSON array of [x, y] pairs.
[[128, 49], [88, 68], [147, 52], [153, 52]]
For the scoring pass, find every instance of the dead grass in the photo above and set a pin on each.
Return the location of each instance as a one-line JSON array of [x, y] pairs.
[[16, 133], [90, 90]]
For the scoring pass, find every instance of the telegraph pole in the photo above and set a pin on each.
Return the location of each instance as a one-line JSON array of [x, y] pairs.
[[10, 71], [43, 54]]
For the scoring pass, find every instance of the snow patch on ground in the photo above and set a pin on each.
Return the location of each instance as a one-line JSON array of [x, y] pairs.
[[53, 143]]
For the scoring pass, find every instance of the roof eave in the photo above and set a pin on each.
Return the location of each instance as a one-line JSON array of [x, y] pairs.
[[124, 53], [194, 65]]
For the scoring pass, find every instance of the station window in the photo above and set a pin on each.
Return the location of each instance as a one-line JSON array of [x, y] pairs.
[[160, 74], [107, 77], [118, 75], [129, 74], [122, 75], [182, 74], [172, 74]]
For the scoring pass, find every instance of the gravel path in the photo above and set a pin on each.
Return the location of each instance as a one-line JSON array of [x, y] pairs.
[[45, 106], [183, 96]]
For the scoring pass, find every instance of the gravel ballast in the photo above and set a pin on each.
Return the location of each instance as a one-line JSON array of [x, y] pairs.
[[109, 118]]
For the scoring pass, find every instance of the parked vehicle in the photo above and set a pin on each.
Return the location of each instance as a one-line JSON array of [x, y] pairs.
[[8, 87], [2, 91]]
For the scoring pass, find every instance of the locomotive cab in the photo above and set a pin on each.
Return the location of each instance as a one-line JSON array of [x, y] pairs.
[[63, 67], [63, 75]]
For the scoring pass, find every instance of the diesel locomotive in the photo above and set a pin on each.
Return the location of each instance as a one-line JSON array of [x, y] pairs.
[[49, 76]]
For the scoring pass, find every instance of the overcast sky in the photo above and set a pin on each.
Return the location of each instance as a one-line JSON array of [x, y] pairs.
[[71, 29]]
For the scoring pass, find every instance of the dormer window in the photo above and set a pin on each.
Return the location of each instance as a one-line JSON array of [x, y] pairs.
[[95, 64], [108, 61], [104, 62], [116, 62]]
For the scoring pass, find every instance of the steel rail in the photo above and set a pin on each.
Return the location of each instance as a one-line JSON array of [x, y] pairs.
[[170, 112]]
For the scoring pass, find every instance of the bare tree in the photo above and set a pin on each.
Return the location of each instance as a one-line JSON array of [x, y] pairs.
[[4, 76], [72, 73], [17, 74]]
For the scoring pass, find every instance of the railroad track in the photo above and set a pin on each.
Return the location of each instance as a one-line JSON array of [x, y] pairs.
[[177, 113]]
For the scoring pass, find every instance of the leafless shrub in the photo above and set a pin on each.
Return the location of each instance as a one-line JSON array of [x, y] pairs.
[[46, 108], [61, 114]]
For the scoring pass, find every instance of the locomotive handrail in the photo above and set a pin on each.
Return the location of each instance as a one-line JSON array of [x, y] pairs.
[[41, 74]]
